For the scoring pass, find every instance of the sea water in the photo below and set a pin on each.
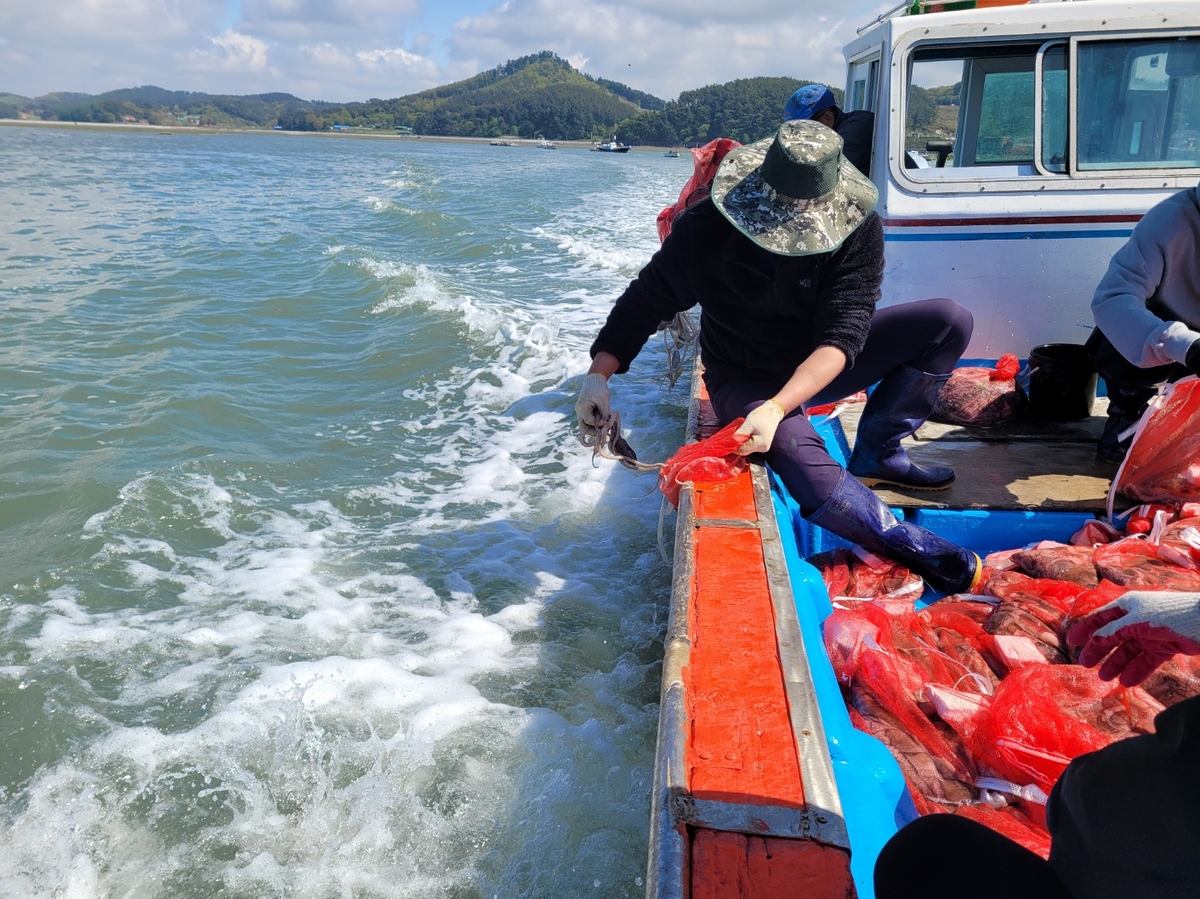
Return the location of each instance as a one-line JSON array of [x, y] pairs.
[[306, 587]]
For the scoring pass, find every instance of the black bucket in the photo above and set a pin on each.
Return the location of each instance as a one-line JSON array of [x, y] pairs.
[[1062, 382]]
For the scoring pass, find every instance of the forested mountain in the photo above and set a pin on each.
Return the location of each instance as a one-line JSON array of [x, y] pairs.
[[160, 107], [538, 95], [746, 110]]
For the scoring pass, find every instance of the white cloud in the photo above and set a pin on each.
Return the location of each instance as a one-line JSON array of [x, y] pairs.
[[345, 50], [667, 46], [234, 53]]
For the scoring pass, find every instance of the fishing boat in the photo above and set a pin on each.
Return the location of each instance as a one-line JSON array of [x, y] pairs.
[[672, 154], [612, 146], [1013, 205], [544, 144]]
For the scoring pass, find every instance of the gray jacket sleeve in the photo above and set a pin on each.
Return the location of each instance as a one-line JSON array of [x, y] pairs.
[[1149, 268]]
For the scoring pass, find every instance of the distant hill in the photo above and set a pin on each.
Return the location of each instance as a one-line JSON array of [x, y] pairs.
[[159, 107], [746, 110], [538, 95]]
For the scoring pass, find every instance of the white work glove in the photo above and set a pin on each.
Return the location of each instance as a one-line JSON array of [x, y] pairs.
[[760, 425], [592, 407], [1135, 634]]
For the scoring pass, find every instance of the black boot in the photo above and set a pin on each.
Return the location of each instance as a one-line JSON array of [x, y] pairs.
[[898, 405], [1125, 407], [856, 514]]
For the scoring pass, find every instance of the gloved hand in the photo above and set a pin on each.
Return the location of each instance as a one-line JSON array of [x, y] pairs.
[[593, 407], [760, 425], [1192, 360], [1137, 633]]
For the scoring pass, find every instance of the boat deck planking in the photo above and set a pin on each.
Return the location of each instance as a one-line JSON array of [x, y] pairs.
[[1020, 465]]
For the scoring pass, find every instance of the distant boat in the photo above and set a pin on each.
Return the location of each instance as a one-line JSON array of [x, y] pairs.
[[672, 154], [544, 144], [501, 142], [612, 147]]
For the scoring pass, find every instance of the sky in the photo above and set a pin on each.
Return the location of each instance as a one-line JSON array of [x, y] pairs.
[[347, 50]]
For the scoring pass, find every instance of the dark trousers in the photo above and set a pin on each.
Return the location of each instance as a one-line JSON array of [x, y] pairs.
[[948, 857], [929, 335], [1129, 387]]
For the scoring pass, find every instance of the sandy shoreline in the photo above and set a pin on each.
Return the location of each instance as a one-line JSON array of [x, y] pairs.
[[363, 135]]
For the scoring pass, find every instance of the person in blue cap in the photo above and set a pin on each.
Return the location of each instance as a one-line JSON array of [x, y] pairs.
[[857, 129]]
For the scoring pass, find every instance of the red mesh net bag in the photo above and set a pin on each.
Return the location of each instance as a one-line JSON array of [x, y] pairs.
[[707, 160], [981, 396], [848, 574], [1163, 463], [1139, 563], [707, 461], [1043, 716]]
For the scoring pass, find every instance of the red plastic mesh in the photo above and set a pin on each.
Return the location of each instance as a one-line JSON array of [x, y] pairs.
[[1163, 464], [706, 461]]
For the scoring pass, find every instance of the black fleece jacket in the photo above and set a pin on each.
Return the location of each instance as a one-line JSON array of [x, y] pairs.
[[761, 314]]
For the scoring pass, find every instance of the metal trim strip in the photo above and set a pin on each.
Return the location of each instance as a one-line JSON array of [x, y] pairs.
[[759, 820], [668, 859], [816, 763]]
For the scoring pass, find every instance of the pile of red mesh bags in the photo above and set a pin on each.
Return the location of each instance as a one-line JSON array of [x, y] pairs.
[[979, 698], [1163, 462], [981, 396]]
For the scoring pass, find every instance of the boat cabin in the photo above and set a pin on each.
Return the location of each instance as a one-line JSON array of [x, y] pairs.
[[1015, 147]]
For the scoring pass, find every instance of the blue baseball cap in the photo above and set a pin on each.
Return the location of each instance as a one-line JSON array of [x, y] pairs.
[[808, 101]]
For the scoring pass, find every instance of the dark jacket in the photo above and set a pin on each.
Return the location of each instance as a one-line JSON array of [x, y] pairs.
[[857, 131], [1125, 821], [761, 314]]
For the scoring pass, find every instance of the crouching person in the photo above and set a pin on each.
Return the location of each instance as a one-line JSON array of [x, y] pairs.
[[1147, 312], [785, 260]]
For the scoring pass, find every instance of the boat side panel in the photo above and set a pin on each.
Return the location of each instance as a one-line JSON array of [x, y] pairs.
[[1025, 286], [875, 801], [740, 866]]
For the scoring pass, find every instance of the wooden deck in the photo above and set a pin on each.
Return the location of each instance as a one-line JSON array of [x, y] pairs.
[[1020, 465]]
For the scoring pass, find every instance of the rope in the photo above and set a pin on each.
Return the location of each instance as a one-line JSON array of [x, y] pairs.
[[681, 336]]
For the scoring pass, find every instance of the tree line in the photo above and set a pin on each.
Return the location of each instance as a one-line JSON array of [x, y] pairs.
[[540, 95]]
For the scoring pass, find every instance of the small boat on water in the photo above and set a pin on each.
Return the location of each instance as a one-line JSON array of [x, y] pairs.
[[1014, 210], [544, 144], [612, 146], [672, 154]]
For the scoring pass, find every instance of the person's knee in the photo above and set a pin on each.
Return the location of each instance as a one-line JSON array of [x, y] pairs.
[[960, 323]]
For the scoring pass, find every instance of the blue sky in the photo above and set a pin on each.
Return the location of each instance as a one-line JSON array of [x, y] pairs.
[[344, 50]]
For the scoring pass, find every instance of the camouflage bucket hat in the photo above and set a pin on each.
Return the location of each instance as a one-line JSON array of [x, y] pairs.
[[794, 193]]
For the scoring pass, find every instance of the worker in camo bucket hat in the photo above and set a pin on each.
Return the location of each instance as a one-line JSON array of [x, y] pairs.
[[785, 260]]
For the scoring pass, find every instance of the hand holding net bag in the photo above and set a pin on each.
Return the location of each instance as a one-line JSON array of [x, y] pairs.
[[708, 461]]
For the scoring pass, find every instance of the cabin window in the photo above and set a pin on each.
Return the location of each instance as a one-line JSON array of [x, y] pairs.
[[969, 107], [1069, 106], [864, 79], [1139, 104], [1054, 103]]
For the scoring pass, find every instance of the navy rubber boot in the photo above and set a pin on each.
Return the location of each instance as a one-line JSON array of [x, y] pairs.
[[856, 514], [898, 405]]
